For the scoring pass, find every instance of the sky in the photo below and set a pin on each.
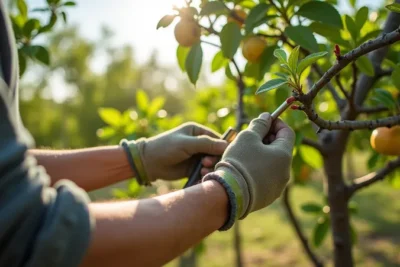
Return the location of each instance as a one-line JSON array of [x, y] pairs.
[[134, 22]]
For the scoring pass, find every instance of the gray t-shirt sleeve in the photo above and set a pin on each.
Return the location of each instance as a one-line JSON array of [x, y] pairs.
[[40, 224]]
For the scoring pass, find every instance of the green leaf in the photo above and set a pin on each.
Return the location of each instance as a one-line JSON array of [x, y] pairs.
[[266, 60], [155, 105], [351, 27], [181, 54], [218, 62], [384, 97], [371, 35], [293, 59], [257, 14], [329, 32], [302, 36], [23, 9], [133, 188], [111, 116], [193, 62], [64, 16], [361, 17], [229, 74], [214, 7], [395, 7], [353, 207], [30, 26], [322, 12], [311, 156], [364, 65], [230, 38], [21, 62], [311, 208], [142, 100], [396, 77], [270, 85], [309, 60], [320, 231], [280, 54], [69, 3], [373, 160], [353, 234], [353, 3], [165, 21], [41, 54]]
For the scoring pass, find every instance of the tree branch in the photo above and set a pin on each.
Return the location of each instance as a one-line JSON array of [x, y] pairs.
[[341, 87], [314, 144], [350, 124], [374, 176], [311, 255], [371, 110], [382, 41], [339, 101]]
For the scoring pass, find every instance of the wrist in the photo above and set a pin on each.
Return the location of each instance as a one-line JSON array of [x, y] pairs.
[[236, 189], [135, 160]]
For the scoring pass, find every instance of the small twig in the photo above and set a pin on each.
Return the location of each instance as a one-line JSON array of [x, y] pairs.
[[382, 73], [209, 43], [339, 101], [371, 110], [374, 176], [279, 36], [340, 85], [286, 202], [314, 144], [281, 11], [353, 85], [209, 29], [350, 124], [382, 41]]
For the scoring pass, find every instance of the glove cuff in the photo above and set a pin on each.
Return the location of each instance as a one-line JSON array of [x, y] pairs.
[[237, 191], [132, 151]]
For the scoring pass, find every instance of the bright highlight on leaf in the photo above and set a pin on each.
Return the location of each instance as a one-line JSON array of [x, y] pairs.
[[270, 85], [395, 7], [309, 60]]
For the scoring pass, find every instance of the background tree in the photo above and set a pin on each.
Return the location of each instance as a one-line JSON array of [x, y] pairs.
[[354, 49]]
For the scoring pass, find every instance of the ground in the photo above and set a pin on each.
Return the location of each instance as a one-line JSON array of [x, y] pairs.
[[268, 239]]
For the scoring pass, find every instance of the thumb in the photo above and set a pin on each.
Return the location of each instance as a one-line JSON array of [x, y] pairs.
[[261, 125], [206, 145]]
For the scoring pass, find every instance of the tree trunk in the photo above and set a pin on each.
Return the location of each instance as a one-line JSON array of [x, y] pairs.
[[339, 216]]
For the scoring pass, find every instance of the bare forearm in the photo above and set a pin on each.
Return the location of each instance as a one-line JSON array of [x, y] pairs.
[[89, 168], [152, 232]]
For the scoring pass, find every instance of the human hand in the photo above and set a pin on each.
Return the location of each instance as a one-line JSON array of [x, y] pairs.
[[255, 168], [172, 154]]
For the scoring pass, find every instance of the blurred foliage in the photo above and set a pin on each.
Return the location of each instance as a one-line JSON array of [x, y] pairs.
[[126, 99]]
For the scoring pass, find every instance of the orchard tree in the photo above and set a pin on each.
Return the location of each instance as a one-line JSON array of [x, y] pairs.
[[343, 71]]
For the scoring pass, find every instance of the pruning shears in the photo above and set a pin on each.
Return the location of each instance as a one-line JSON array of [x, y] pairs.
[[229, 135]]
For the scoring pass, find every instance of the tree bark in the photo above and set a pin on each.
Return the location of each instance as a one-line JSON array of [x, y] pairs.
[[335, 143]]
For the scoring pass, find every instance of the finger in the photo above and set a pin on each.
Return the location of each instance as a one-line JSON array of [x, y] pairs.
[[209, 161], [284, 134], [207, 145], [195, 129], [205, 171], [261, 125]]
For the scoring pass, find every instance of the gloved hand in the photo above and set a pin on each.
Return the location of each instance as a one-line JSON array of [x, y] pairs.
[[254, 173], [172, 154]]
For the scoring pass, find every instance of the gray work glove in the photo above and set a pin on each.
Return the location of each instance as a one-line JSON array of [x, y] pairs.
[[172, 154], [255, 172]]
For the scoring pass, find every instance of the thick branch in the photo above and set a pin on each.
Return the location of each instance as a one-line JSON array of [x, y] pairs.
[[298, 230], [374, 176], [382, 41], [314, 144], [350, 124]]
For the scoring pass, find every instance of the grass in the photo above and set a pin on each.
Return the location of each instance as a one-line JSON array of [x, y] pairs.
[[268, 239]]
